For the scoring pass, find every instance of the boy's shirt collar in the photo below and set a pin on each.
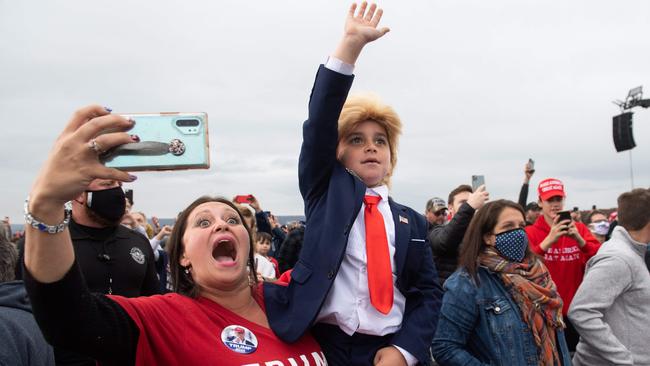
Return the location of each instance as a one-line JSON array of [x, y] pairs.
[[381, 191]]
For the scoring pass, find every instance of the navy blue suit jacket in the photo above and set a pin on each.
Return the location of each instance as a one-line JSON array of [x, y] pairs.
[[333, 198]]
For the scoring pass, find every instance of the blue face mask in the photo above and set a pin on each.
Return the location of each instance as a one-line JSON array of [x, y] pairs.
[[512, 244]]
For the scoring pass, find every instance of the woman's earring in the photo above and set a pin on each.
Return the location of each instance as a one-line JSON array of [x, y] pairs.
[[187, 270]]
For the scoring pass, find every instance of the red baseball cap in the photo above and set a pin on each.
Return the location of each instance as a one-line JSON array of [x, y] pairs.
[[550, 187], [613, 216]]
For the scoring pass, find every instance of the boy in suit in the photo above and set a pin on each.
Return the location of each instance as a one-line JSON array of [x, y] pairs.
[[365, 278]]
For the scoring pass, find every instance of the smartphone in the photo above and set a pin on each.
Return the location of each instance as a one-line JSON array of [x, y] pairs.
[[531, 165], [129, 195], [168, 141], [243, 198], [477, 181], [564, 215]]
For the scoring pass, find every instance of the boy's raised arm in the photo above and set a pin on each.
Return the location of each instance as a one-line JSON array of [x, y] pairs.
[[360, 29], [318, 152]]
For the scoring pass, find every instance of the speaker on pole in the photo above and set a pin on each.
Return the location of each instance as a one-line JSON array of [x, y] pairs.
[[623, 138]]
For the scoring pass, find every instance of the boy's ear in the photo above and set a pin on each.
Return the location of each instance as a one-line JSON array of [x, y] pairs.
[[340, 152]]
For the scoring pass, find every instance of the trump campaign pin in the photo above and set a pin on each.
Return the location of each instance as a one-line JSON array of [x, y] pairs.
[[239, 339]]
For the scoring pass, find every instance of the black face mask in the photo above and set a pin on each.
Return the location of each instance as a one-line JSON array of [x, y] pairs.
[[108, 204]]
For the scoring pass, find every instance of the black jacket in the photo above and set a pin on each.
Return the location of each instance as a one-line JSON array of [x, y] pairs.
[[445, 241], [523, 196], [290, 249], [277, 235]]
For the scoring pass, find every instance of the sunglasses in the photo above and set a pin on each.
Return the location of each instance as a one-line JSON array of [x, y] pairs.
[[440, 212]]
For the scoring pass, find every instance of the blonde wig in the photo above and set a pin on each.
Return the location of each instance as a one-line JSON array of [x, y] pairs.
[[364, 107]]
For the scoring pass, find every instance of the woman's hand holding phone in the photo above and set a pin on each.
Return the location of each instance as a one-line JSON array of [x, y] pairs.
[[73, 162]]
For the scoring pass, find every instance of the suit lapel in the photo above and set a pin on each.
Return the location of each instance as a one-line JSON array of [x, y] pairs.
[[402, 235]]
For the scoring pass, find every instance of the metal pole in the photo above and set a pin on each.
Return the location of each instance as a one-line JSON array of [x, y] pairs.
[[631, 171]]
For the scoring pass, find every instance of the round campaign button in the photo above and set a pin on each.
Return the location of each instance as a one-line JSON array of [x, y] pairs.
[[239, 339]]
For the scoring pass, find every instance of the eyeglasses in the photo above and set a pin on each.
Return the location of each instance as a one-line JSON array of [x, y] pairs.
[[440, 212]]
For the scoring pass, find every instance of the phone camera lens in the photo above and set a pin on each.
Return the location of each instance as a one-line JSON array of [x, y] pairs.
[[187, 123]]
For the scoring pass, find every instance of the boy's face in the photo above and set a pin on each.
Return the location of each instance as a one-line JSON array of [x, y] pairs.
[[263, 247], [365, 151], [552, 206]]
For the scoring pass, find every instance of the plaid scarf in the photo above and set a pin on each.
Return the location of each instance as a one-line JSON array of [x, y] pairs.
[[531, 287]]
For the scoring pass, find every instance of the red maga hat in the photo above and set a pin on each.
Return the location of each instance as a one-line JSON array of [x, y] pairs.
[[550, 187]]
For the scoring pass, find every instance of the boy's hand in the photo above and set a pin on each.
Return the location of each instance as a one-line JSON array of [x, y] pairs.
[[559, 228], [389, 356], [362, 26], [360, 29]]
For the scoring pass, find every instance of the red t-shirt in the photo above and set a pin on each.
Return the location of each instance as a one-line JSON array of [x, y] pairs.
[[565, 259], [178, 330]]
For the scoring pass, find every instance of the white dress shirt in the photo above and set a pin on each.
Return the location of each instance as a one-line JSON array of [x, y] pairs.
[[348, 303]]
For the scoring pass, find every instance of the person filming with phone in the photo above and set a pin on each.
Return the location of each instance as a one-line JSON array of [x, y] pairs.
[[445, 240], [211, 266], [565, 245]]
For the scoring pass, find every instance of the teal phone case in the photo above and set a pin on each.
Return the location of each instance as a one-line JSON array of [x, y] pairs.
[[158, 129]]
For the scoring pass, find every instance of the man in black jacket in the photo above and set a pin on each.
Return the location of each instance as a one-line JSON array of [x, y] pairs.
[[445, 239]]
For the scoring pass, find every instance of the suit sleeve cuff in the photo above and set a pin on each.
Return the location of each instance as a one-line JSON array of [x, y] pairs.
[[410, 360], [339, 66]]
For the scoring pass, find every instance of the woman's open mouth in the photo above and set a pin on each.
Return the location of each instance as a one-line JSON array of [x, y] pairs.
[[224, 251]]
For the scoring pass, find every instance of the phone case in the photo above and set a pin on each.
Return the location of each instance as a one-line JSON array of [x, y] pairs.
[[564, 215], [168, 141], [477, 181], [243, 198]]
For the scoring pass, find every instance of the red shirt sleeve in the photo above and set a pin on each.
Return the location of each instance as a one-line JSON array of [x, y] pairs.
[[591, 244]]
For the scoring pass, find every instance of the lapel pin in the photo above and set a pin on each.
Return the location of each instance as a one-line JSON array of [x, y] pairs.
[[403, 219]]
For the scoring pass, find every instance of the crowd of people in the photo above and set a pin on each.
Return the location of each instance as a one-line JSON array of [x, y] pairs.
[[363, 280]]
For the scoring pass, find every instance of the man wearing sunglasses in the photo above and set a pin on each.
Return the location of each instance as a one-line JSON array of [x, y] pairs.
[[436, 212]]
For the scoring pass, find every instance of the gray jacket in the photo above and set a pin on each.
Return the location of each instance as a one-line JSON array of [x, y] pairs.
[[22, 342], [611, 308]]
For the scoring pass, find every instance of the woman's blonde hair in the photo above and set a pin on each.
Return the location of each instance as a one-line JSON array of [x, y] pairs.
[[363, 107]]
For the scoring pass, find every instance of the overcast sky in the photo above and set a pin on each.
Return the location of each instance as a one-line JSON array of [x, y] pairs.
[[480, 85]]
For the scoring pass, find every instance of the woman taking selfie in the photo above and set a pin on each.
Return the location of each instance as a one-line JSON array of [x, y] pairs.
[[501, 306], [215, 316]]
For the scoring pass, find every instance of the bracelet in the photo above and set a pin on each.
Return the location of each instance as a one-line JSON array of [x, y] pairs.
[[43, 227]]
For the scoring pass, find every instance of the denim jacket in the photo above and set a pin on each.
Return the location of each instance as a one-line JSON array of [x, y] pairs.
[[482, 325]]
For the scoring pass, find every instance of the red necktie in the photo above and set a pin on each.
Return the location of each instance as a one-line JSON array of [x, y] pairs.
[[380, 275]]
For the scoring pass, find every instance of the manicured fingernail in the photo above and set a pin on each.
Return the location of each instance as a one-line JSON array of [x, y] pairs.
[[135, 138], [109, 110], [132, 177]]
